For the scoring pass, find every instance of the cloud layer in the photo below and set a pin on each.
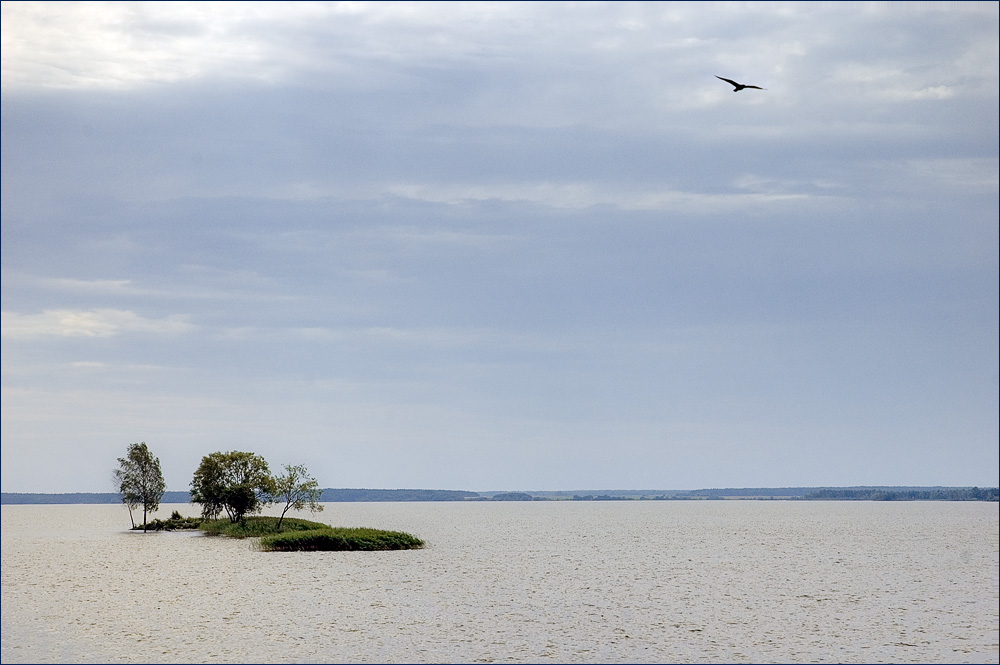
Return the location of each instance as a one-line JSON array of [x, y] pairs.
[[502, 245]]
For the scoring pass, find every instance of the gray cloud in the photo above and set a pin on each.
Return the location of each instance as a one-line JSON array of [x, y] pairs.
[[510, 245]]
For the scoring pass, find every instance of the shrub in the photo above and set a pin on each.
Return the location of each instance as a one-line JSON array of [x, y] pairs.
[[174, 523], [339, 539]]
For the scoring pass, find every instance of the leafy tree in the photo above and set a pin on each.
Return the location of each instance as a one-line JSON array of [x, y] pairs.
[[296, 489], [237, 482], [140, 481]]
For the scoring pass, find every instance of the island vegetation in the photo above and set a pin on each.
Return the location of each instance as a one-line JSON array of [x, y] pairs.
[[278, 534], [239, 485], [140, 481], [338, 539], [281, 534], [175, 523], [236, 482], [295, 490]]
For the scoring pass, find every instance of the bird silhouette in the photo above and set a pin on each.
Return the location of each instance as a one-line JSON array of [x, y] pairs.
[[739, 86]]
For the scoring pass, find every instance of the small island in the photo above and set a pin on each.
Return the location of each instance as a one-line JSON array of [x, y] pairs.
[[293, 534], [299, 535], [175, 523], [240, 484]]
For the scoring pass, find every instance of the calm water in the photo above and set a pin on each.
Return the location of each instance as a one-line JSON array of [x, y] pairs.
[[720, 581]]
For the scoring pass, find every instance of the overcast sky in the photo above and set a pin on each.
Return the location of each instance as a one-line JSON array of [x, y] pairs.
[[490, 246]]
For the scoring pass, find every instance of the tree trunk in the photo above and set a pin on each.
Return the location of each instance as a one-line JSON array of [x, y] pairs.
[[281, 518], [144, 518]]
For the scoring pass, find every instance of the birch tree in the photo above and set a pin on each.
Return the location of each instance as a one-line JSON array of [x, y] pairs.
[[140, 481], [296, 489]]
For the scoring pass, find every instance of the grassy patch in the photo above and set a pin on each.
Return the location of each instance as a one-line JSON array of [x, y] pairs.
[[339, 539], [254, 527], [298, 535], [175, 523]]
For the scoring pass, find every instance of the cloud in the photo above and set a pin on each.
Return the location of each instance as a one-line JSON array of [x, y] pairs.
[[92, 286], [88, 364], [110, 45], [88, 323], [502, 227], [116, 45], [579, 195]]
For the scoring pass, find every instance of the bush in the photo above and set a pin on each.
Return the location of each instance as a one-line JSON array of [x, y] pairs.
[[175, 522], [339, 539]]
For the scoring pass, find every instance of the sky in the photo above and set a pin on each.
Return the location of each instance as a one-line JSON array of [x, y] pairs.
[[502, 246]]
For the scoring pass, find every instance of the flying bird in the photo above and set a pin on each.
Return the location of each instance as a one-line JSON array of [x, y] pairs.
[[739, 86]]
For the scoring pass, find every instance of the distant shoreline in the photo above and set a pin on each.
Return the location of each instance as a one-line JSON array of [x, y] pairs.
[[330, 495]]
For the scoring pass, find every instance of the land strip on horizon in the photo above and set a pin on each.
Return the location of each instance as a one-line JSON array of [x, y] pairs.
[[331, 495]]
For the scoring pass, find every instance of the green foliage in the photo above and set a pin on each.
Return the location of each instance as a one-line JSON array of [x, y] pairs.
[[175, 523], [140, 481], [296, 489], [253, 527], [237, 482], [293, 534], [339, 539]]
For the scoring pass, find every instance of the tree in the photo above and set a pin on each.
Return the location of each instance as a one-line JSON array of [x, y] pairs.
[[140, 481], [296, 489], [237, 482]]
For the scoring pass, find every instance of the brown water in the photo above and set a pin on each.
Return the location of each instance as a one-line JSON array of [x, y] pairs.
[[695, 581]]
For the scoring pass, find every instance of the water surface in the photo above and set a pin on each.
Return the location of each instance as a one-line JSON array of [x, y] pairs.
[[652, 581]]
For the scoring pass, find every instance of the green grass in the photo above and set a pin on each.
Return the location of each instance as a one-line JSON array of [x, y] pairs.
[[339, 539], [298, 535], [254, 527]]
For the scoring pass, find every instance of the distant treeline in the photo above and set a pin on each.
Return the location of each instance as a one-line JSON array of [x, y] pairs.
[[514, 496], [909, 494], [344, 495], [751, 492], [849, 493], [83, 497], [779, 493], [607, 497], [678, 495], [329, 495]]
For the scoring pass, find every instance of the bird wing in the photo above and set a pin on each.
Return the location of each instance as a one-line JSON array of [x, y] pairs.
[[756, 87], [728, 81]]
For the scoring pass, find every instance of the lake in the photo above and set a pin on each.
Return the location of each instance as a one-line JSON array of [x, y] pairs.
[[549, 581]]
